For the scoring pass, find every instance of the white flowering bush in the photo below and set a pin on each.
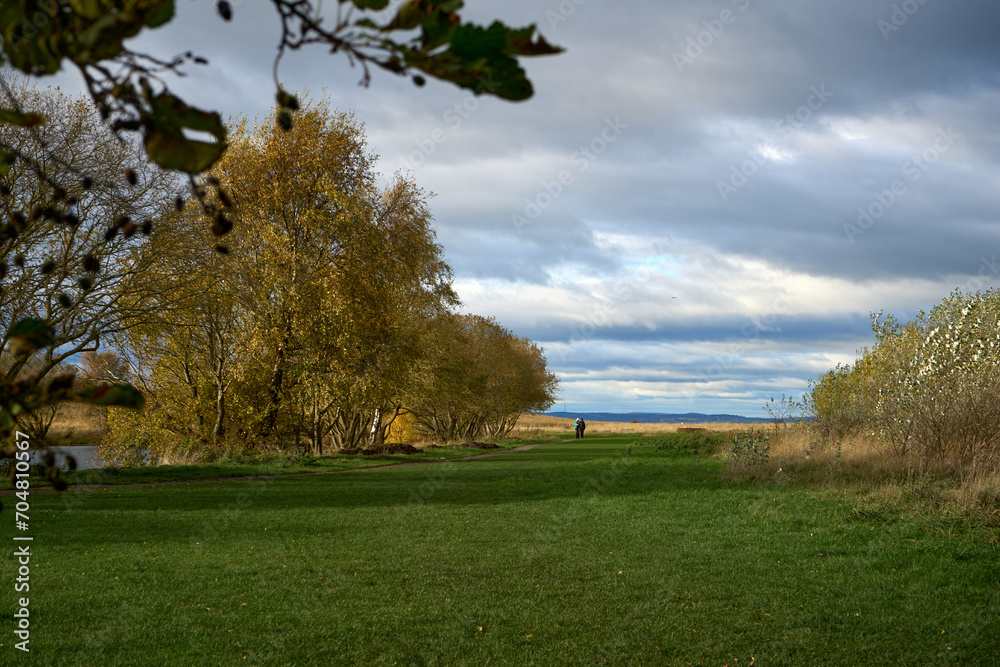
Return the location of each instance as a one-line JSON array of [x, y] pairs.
[[928, 388]]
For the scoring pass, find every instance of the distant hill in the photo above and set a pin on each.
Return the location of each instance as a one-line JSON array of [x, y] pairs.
[[659, 418]]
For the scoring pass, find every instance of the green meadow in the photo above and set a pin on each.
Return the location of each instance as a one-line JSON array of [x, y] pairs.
[[615, 550]]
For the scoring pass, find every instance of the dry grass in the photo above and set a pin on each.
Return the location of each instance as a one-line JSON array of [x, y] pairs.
[[529, 426], [76, 424], [884, 479], [79, 423]]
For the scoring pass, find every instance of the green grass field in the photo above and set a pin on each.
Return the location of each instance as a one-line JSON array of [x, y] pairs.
[[582, 553], [277, 466]]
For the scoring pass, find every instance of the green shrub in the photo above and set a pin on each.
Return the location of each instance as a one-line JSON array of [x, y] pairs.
[[750, 449]]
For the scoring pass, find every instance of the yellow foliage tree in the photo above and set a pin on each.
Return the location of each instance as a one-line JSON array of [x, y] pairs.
[[308, 327]]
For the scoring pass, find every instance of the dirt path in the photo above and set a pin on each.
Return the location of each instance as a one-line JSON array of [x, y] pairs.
[[91, 487], [522, 448]]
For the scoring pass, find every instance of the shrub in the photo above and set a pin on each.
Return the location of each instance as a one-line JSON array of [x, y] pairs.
[[929, 389], [750, 450], [132, 438]]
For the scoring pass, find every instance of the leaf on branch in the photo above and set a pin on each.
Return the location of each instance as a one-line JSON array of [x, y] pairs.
[[500, 75], [7, 158], [470, 41], [222, 225], [38, 36], [119, 395], [480, 59], [15, 117], [286, 100], [165, 141], [284, 120], [29, 335], [61, 384], [521, 42], [371, 4]]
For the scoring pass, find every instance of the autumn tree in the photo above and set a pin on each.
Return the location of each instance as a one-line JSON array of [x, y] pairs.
[[66, 254], [75, 269], [477, 379], [99, 367], [392, 279], [134, 102], [307, 325], [332, 270], [185, 361], [104, 366]]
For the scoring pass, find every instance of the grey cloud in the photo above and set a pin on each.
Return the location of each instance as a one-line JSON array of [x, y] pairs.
[[686, 132]]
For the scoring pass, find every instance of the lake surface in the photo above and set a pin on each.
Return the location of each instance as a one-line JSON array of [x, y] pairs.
[[87, 458]]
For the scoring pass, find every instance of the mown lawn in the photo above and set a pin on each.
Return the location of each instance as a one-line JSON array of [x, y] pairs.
[[274, 466], [592, 552]]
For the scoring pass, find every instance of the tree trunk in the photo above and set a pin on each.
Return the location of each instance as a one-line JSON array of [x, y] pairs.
[[193, 386], [274, 392], [219, 430], [374, 432]]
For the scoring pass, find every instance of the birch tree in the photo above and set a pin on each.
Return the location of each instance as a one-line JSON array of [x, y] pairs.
[[477, 379], [308, 328]]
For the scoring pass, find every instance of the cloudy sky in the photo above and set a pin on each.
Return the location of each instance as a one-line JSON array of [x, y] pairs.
[[704, 201]]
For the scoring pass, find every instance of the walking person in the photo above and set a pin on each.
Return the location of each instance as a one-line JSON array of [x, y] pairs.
[[579, 426]]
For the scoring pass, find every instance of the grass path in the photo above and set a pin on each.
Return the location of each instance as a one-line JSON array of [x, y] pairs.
[[583, 552], [375, 465]]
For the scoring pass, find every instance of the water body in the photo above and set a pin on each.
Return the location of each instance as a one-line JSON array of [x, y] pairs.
[[87, 458]]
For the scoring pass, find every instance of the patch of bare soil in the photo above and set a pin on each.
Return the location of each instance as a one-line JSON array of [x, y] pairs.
[[398, 448], [476, 445], [394, 448]]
